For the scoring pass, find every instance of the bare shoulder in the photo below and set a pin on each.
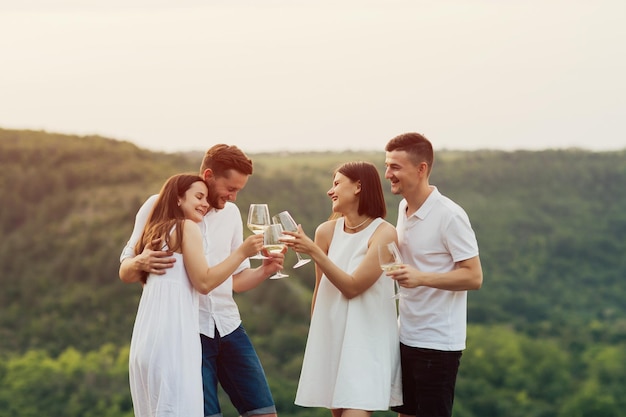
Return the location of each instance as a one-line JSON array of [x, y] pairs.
[[324, 234], [385, 232], [191, 231], [326, 229], [190, 225], [386, 227]]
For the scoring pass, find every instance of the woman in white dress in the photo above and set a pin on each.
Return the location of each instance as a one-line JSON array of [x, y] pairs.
[[165, 354], [352, 358]]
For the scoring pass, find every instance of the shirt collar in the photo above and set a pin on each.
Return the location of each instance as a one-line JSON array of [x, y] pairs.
[[427, 205]]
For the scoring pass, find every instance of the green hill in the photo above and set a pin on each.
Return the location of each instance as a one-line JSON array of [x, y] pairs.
[[547, 332]]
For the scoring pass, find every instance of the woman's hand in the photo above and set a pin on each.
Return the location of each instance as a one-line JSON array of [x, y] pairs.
[[252, 245], [299, 241]]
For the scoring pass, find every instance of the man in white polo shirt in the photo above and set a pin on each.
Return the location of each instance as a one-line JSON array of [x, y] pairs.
[[228, 357], [440, 253]]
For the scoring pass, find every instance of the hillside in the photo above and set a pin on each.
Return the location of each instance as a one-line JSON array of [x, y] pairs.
[[547, 329]]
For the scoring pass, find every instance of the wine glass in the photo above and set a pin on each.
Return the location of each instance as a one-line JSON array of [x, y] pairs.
[[271, 242], [258, 220], [289, 224], [390, 260]]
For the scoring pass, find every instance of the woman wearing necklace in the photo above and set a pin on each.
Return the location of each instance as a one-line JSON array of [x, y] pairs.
[[352, 359]]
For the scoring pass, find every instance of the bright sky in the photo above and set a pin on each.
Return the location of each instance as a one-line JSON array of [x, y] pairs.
[[271, 75]]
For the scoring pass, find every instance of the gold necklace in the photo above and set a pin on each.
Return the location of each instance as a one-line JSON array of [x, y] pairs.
[[357, 226]]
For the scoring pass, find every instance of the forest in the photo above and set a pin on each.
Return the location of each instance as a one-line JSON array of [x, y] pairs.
[[546, 332]]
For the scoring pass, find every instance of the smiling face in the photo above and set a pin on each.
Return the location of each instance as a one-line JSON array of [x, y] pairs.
[[344, 194], [224, 188], [194, 204], [403, 174]]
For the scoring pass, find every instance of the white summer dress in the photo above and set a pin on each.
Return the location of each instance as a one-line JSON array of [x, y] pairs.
[[352, 356], [165, 366]]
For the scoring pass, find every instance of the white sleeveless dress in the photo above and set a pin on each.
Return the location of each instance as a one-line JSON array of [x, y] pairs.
[[352, 356], [165, 366]]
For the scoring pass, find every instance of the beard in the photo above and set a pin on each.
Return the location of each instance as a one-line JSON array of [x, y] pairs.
[[214, 199]]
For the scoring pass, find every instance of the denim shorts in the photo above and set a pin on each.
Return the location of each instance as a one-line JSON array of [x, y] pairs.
[[428, 380], [232, 361]]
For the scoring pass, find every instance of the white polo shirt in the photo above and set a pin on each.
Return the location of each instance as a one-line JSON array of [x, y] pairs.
[[434, 239], [223, 233]]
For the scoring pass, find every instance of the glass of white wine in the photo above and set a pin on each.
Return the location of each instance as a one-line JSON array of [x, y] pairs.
[[390, 260], [258, 220], [289, 224], [271, 242]]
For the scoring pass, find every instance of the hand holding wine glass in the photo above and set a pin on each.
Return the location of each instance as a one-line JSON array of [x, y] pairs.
[[258, 221], [390, 260], [289, 224], [271, 242]]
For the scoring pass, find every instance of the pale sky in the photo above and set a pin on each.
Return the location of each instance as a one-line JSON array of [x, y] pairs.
[[319, 74]]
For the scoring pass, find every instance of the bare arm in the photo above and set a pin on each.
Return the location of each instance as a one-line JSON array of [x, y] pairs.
[[323, 242], [318, 279], [468, 275], [205, 278], [365, 275]]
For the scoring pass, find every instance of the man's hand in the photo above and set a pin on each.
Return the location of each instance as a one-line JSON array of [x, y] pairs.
[[467, 275], [274, 261], [150, 261], [407, 276], [154, 261]]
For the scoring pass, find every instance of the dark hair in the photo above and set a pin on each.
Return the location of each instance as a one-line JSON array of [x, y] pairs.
[[416, 146], [371, 198], [166, 214], [222, 158]]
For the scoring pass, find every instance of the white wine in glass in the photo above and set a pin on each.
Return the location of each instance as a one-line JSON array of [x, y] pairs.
[[390, 260], [289, 224], [271, 242], [258, 220]]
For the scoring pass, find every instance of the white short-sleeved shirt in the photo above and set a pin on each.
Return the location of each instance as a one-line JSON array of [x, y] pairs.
[[434, 239], [222, 231]]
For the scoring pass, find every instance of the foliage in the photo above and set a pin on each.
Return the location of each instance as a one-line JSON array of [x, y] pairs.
[[547, 333], [94, 384]]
